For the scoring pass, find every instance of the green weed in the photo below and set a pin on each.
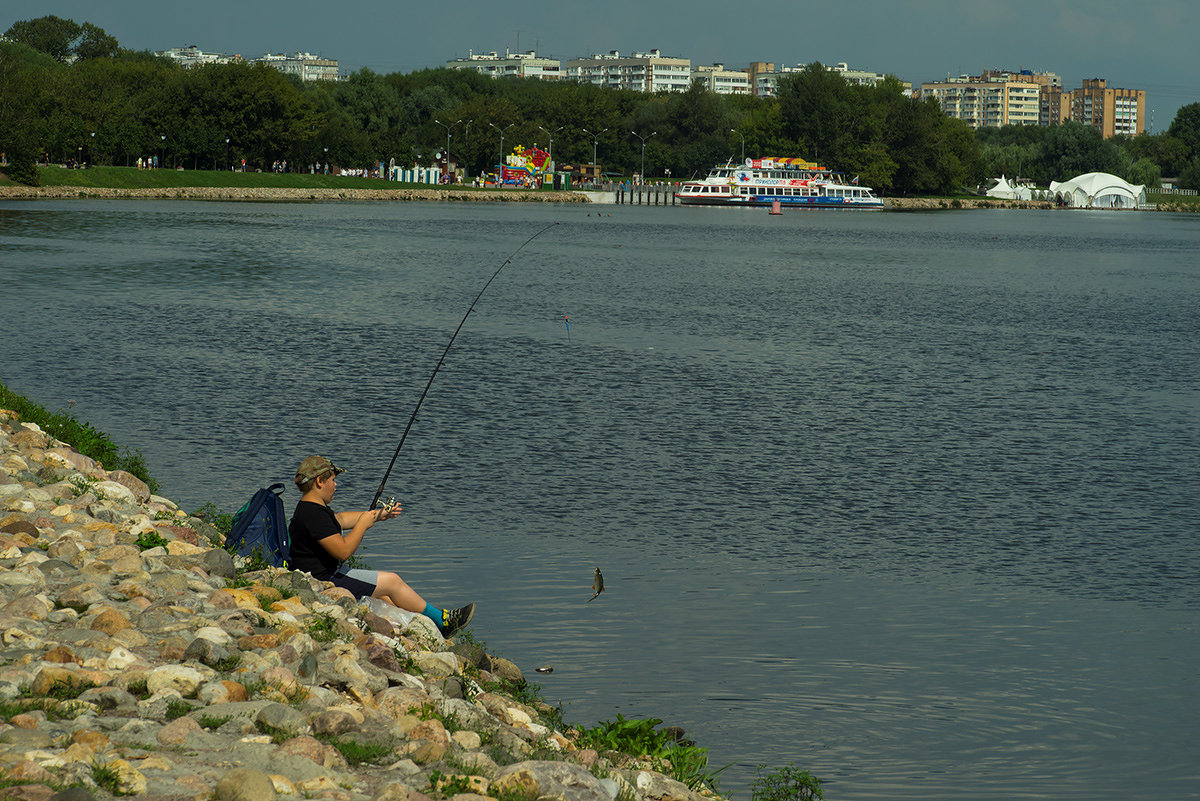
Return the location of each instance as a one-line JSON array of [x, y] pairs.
[[323, 628], [177, 708], [356, 753], [150, 539], [785, 784]]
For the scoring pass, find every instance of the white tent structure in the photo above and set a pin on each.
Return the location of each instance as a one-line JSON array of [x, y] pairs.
[[1098, 190], [1007, 189]]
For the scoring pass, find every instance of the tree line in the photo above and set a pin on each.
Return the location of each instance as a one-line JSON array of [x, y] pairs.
[[71, 92]]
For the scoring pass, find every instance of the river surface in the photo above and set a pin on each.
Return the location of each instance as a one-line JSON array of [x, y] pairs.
[[907, 500]]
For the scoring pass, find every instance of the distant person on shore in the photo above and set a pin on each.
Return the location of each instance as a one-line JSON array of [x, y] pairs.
[[320, 547]]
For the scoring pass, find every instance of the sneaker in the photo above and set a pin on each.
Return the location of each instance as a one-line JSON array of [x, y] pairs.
[[456, 619]]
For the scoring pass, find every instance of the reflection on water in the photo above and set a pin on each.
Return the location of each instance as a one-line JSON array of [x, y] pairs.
[[907, 500]]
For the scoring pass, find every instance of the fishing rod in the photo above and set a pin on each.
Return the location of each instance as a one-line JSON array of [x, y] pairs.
[[412, 419]]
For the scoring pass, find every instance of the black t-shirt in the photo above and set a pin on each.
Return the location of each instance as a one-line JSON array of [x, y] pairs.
[[312, 522]]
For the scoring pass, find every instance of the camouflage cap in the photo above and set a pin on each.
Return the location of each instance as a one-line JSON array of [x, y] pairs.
[[316, 467]]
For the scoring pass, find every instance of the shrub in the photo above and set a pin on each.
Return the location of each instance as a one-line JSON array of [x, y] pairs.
[[785, 784]]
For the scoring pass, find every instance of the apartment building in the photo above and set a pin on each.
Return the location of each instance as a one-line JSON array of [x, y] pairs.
[[764, 79], [192, 56], [640, 72], [721, 81], [510, 65], [992, 99], [304, 66], [1112, 112]]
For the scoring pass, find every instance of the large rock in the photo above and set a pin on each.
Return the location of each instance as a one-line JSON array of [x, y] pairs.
[[244, 784], [564, 780], [174, 679], [135, 485]]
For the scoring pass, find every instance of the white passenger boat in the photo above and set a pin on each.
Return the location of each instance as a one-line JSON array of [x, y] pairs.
[[790, 182]]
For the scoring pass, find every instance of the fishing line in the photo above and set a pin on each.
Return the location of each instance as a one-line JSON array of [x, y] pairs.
[[413, 418]]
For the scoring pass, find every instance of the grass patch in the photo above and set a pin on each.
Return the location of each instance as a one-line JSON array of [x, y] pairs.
[[212, 721], [106, 777], [177, 709], [133, 178], [150, 539], [81, 436], [323, 628], [356, 753]]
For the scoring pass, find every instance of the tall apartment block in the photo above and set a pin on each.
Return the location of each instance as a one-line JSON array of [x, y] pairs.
[[641, 72]]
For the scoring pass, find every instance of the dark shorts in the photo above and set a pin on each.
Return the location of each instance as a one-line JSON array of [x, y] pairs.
[[360, 582]]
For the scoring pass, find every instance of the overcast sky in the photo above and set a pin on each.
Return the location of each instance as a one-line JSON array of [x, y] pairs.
[[1146, 44]]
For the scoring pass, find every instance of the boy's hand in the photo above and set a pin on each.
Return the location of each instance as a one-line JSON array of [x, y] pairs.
[[389, 509]]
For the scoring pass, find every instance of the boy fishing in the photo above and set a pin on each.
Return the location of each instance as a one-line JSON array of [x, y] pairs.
[[323, 540]]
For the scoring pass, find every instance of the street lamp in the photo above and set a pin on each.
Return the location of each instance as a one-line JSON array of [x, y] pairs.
[[227, 154], [502, 130], [739, 133], [162, 152], [327, 160], [643, 138], [551, 135], [595, 138], [447, 127], [92, 149]]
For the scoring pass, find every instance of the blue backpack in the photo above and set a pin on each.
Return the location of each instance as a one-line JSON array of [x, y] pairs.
[[260, 528]]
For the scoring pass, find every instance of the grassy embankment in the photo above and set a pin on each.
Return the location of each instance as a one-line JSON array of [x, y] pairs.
[[81, 436], [133, 178]]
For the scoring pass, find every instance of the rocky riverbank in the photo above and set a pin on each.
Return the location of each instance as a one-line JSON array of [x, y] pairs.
[[139, 659], [278, 194]]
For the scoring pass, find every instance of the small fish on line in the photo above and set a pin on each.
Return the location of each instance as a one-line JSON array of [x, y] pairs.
[[597, 585]]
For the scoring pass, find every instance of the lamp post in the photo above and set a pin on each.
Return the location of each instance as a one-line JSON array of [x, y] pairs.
[[92, 149], [643, 138], [447, 127], [595, 138], [326, 160], [227, 154], [162, 152], [739, 133], [502, 130], [551, 135]]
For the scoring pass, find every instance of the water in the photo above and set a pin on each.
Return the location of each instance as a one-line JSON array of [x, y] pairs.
[[907, 500]]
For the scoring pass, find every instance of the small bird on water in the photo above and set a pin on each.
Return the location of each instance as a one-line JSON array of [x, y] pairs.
[[597, 585]]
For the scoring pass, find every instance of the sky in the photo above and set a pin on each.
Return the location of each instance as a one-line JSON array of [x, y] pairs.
[[1150, 45]]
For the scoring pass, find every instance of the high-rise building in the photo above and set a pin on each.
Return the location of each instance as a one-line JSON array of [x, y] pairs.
[[721, 81], [304, 66], [1112, 112], [641, 72], [510, 65], [992, 99]]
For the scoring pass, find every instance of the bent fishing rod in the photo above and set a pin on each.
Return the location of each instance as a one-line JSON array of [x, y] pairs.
[[413, 418]]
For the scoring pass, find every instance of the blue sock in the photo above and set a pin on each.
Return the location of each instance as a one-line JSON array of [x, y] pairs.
[[438, 616]]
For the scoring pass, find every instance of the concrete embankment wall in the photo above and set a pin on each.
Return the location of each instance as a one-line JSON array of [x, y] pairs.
[[283, 195]]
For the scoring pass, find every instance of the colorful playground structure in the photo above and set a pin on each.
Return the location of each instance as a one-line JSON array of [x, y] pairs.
[[525, 166]]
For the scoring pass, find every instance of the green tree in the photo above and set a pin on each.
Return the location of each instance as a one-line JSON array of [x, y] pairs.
[[51, 35], [1186, 128]]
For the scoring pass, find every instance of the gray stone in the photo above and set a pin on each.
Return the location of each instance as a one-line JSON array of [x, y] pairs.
[[277, 718], [218, 562], [205, 651], [73, 794]]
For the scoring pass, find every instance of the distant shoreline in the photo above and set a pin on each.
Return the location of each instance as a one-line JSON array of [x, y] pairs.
[[449, 194], [285, 194]]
